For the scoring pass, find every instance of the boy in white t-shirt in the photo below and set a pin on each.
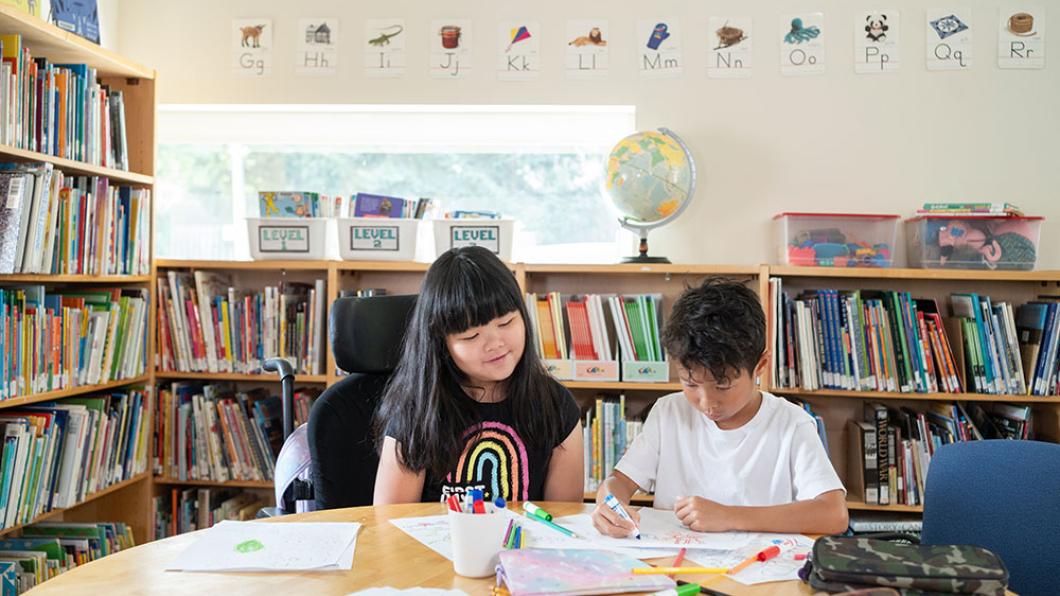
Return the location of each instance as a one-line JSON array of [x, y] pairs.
[[722, 454]]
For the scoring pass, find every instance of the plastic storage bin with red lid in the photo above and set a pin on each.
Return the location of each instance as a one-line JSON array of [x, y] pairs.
[[953, 241], [836, 239]]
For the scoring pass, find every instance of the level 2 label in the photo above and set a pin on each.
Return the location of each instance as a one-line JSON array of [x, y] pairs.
[[485, 236], [374, 238], [283, 239]]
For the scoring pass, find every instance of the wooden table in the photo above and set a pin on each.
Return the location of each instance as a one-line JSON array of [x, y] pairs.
[[385, 556]]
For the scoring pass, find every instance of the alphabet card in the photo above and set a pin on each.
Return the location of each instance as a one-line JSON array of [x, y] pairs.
[[519, 53], [729, 56], [587, 48], [252, 47], [450, 45], [1021, 40], [802, 43], [949, 39], [876, 36], [384, 47], [318, 47], [658, 43]]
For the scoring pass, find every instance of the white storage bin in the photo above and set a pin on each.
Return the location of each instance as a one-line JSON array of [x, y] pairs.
[[494, 234], [377, 238], [282, 238]]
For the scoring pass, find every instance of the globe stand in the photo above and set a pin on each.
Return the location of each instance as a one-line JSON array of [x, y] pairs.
[[643, 250]]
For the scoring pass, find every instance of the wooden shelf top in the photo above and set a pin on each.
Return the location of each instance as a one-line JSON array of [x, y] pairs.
[[92, 497], [210, 483], [256, 378], [24, 400], [860, 506], [642, 269], [46, 279], [622, 386], [243, 265], [48, 41], [71, 166], [1027, 399], [395, 266], [922, 274]]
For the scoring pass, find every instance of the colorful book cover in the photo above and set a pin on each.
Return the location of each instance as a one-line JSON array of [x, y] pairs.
[[288, 204], [529, 572], [80, 17], [367, 205], [8, 578]]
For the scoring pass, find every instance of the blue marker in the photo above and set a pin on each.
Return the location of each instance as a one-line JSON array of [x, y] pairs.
[[615, 506], [499, 503]]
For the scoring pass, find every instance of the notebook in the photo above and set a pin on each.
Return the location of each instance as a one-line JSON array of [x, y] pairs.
[[563, 572]]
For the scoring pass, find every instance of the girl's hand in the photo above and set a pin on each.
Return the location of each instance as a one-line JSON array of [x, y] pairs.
[[703, 515], [609, 523]]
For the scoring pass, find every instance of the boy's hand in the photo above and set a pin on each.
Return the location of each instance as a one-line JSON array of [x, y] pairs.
[[609, 523], [703, 515]]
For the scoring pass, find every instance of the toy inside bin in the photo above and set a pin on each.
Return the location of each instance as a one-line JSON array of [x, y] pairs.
[[973, 242], [836, 239]]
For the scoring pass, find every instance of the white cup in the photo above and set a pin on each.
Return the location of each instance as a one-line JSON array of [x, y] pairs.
[[476, 540]]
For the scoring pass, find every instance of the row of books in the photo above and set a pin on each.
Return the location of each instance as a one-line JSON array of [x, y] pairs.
[[606, 435], [585, 326], [212, 432], [1038, 327], [971, 209], [48, 549], [208, 325], [53, 223], [69, 338], [55, 454], [312, 204], [59, 109], [187, 510], [890, 450]]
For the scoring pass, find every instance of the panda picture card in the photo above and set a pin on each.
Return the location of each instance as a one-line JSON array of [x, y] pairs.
[[876, 41]]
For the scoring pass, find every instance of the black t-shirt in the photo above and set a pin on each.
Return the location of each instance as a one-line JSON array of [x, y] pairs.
[[497, 460]]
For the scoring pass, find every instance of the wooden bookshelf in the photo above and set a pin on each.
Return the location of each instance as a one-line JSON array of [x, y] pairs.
[[622, 386], [245, 265], [833, 393], [260, 378], [860, 506], [262, 484], [914, 274], [128, 501]]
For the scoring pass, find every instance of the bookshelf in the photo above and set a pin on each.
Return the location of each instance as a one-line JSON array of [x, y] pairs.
[[835, 406], [127, 500]]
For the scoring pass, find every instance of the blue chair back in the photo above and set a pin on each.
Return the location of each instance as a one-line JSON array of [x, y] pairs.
[[1003, 496]]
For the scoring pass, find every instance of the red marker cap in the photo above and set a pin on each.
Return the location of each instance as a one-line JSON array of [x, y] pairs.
[[768, 553]]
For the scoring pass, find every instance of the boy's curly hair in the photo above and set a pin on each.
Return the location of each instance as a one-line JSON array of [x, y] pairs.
[[718, 325]]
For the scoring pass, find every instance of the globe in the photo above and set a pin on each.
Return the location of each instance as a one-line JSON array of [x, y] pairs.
[[650, 180]]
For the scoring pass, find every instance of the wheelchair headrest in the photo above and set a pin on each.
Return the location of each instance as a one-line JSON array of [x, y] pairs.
[[366, 333]]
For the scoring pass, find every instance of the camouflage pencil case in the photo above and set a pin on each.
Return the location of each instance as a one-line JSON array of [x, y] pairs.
[[842, 563]]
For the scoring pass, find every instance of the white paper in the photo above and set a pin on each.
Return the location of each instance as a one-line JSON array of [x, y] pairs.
[[783, 567], [587, 53], [262, 546], [450, 43], [252, 47], [802, 43], [658, 43], [729, 53], [384, 47], [431, 531], [658, 529], [949, 38], [519, 50], [876, 36], [1021, 36]]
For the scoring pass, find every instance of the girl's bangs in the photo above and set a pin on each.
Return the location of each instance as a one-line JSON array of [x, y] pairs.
[[469, 297]]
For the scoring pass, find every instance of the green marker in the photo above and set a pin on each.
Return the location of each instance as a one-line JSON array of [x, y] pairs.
[[537, 511]]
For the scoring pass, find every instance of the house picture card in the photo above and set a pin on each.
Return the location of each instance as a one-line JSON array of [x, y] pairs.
[[587, 48], [949, 38], [450, 43], [518, 50], [729, 53], [876, 37], [802, 43], [1021, 36], [252, 47], [384, 47], [658, 43], [317, 40]]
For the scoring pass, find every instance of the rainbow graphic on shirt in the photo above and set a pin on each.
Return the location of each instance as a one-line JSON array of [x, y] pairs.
[[495, 457]]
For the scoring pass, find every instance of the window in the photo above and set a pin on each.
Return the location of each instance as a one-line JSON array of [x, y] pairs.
[[542, 165]]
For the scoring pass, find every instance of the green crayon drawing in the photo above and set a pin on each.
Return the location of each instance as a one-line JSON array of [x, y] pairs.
[[249, 546]]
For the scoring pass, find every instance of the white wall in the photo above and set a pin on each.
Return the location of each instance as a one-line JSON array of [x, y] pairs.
[[837, 142]]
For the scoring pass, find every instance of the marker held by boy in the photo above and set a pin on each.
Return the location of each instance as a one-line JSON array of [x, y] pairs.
[[614, 505], [535, 510]]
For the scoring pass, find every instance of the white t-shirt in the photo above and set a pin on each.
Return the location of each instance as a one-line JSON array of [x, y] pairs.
[[774, 459]]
